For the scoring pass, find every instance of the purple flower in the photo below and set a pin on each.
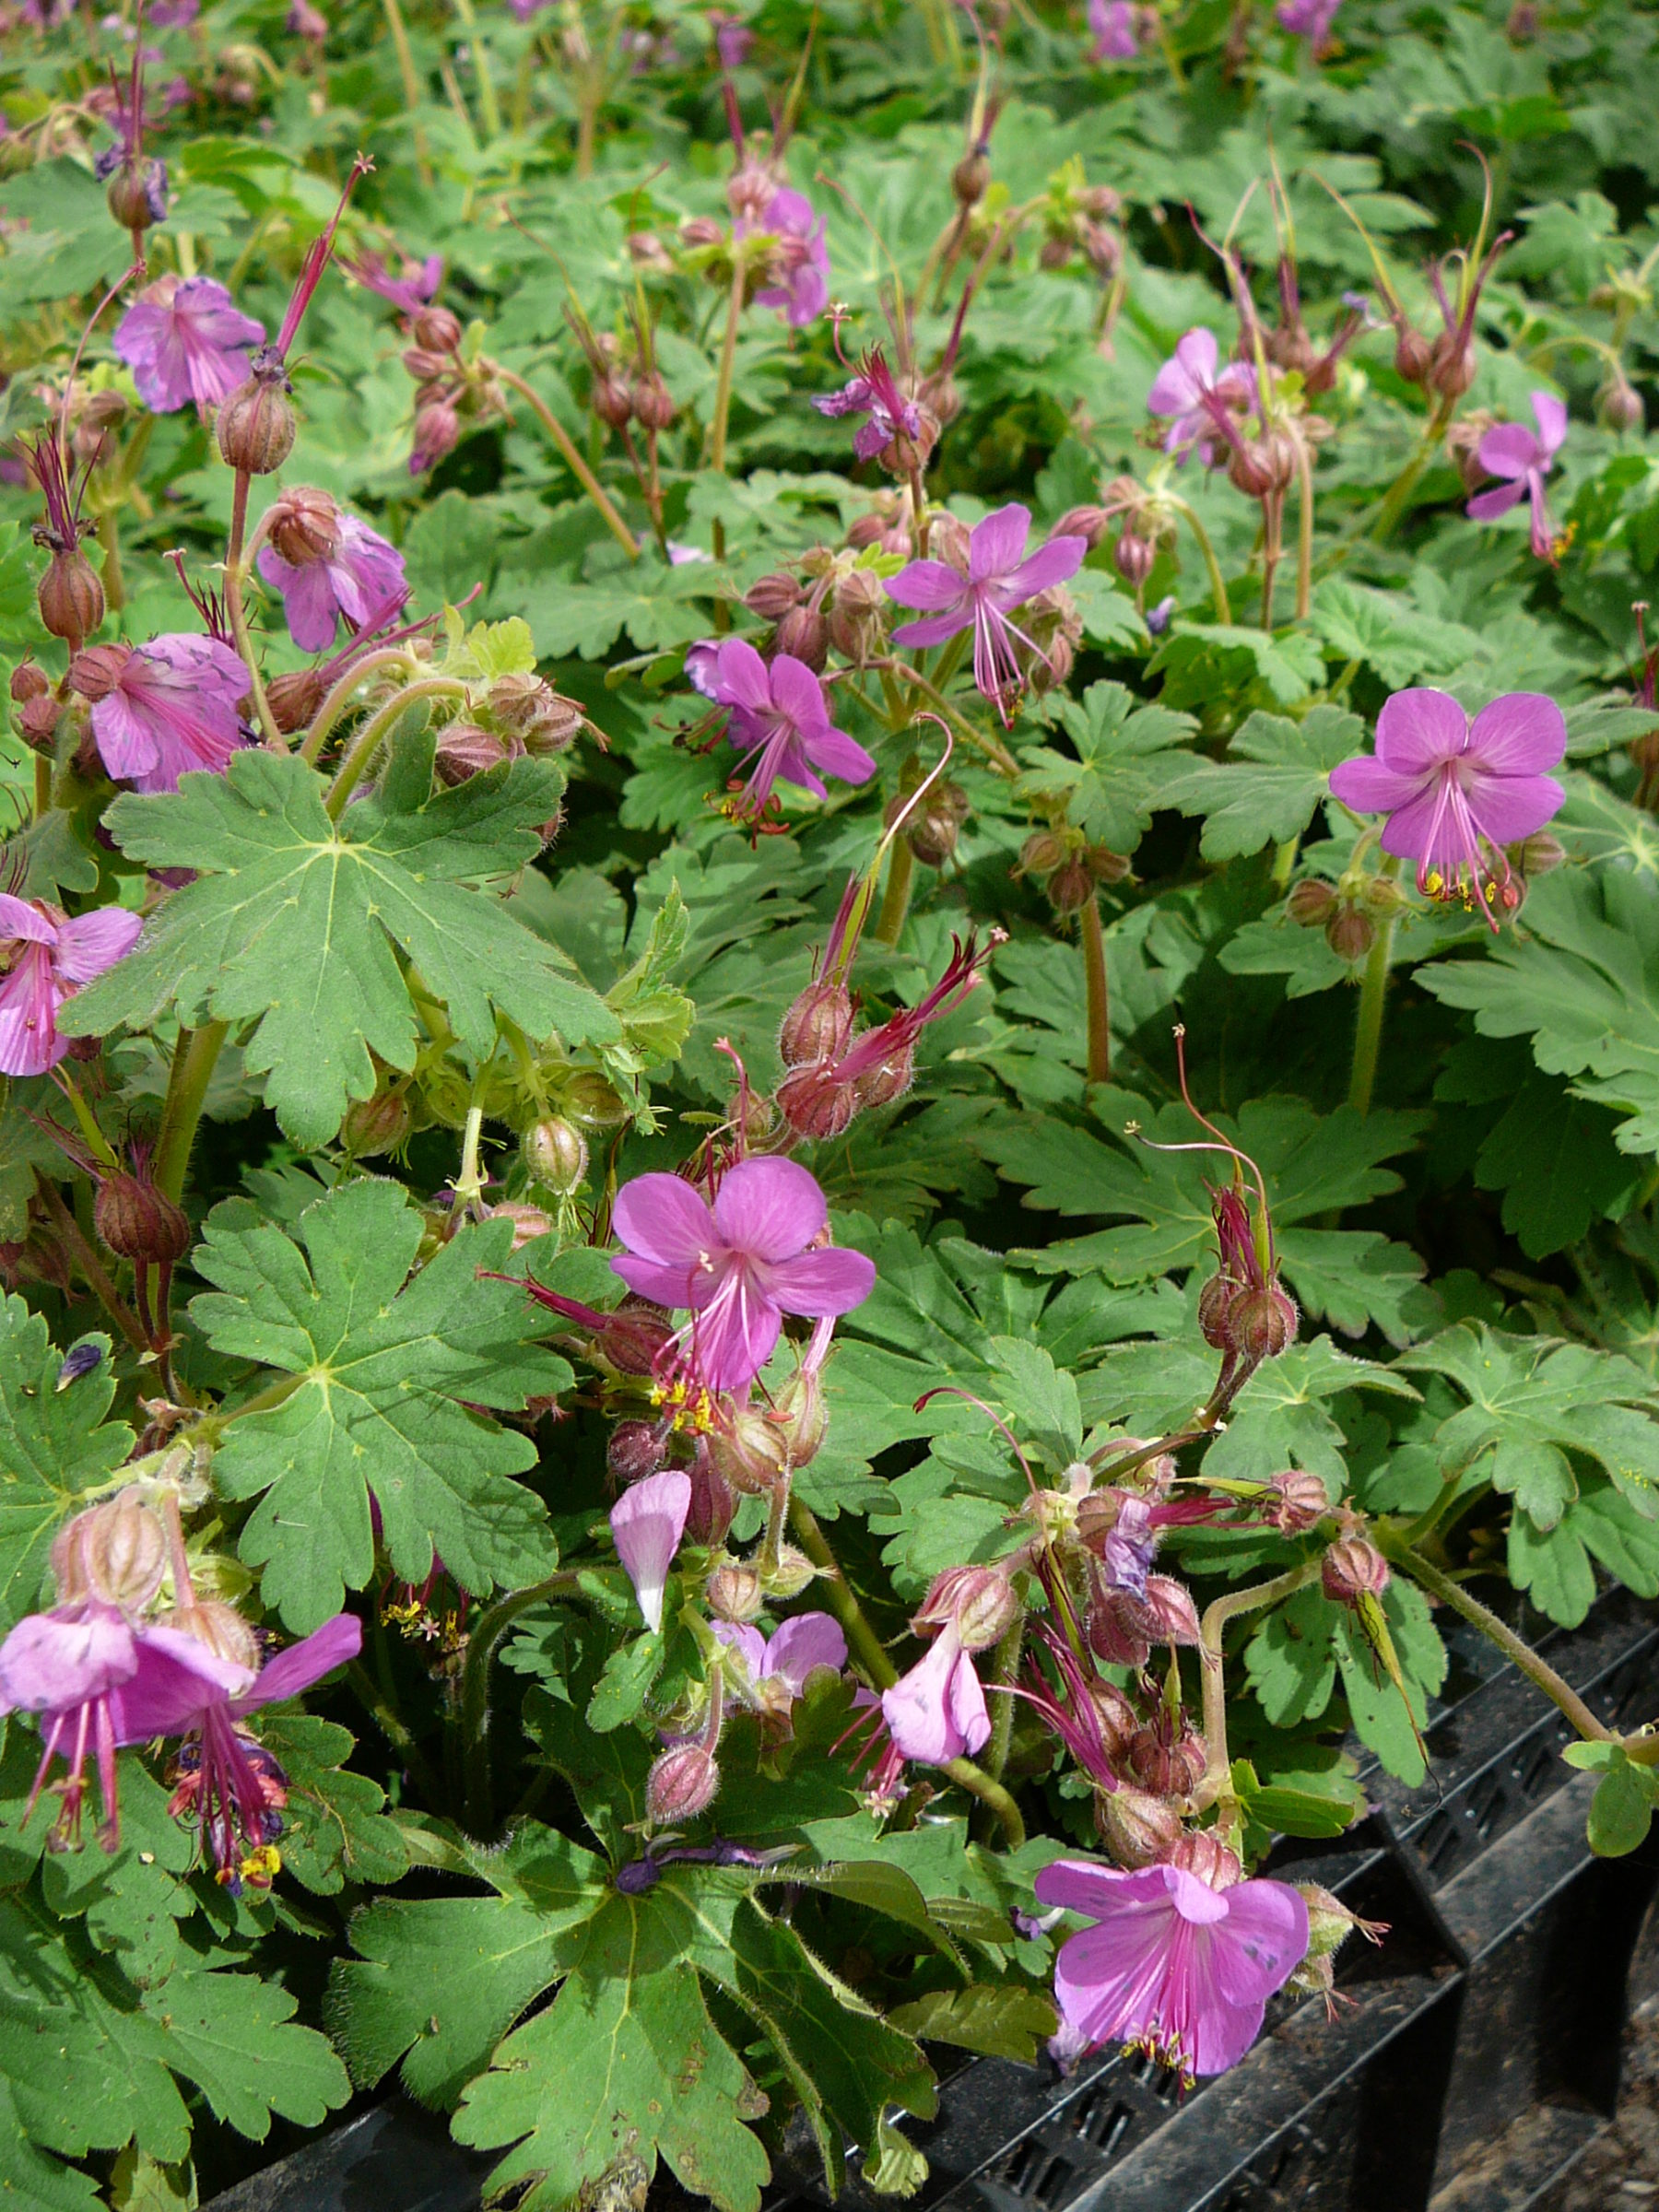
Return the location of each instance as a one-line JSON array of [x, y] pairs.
[[1511, 450], [184, 339], [357, 579], [937, 1712], [778, 1666], [1113, 23], [1171, 1966], [739, 1267], [173, 15], [733, 39], [648, 1521], [172, 705], [1309, 19], [873, 392], [1188, 391], [799, 264], [409, 293], [1001, 576], [1450, 787], [1158, 618], [50, 960], [780, 721], [1130, 1544]]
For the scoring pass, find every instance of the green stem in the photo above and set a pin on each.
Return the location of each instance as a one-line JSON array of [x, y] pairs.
[[355, 761], [195, 1055], [98, 1280], [997, 754], [411, 86], [481, 1648], [838, 1594], [487, 105], [1304, 534], [273, 738], [1202, 538], [43, 782], [339, 698], [1399, 493], [728, 355], [1520, 1655], [1005, 1666], [1094, 978], [896, 897], [1216, 1784], [108, 537], [572, 458], [978, 1783], [1373, 990], [89, 1129]]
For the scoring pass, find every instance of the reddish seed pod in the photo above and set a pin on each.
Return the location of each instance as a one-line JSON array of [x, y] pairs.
[[139, 1222], [611, 401], [772, 596], [256, 425], [635, 1449], [805, 634], [1134, 557], [653, 402], [1138, 1828], [1202, 1853], [816, 1103], [751, 1454], [304, 526], [714, 1503], [682, 1784], [889, 1079], [817, 1026], [437, 330], [1413, 355], [37, 725], [465, 751], [1351, 1568], [293, 697], [970, 179], [1090, 523], [70, 597], [94, 673], [425, 366], [734, 1592], [1312, 902], [1350, 933], [377, 1124], [29, 680], [1452, 366], [1262, 1324], [115, 1552], [1071, 886], [980, 1600], [1298, 1502]]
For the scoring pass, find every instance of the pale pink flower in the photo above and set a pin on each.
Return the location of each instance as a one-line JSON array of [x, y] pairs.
[[1510, 449], [185, 339], [1001, 576], [360, 579], [50, 958], [937, 1712], [1188, 391], [647, 1522], [1309, 19], [1171, 1966], [173, 705], [778, 1666]]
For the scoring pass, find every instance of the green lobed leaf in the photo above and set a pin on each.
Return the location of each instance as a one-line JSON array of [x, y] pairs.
[[54, 1445], [1267, 791]]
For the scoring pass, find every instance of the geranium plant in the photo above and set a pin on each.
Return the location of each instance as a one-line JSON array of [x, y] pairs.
[[829, 1006]]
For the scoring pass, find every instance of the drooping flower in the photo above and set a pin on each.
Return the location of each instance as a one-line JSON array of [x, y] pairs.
[[733, 38], [1510, 449], [1309, 19], [799, 264], [1001, 576], [162, 708], [416, 288], [779, 722], [739, 1267], [647, 1522], [45, 959], [1173, 1967], [1188, 390], [936, 1711], [1456, 791], [185, 339], [777, 1666], [349, 571], [873, 392], [1113, 23]]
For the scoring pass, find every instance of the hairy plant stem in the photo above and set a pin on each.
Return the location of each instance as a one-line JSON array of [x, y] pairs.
[[919, 509], [108, 537], [488, 108], [1398, 496], [1304, 532], [234, 563], [42, 787], [572, 460], [1373, 990], [896, 897], [98, 1278], [411, 88], [1004, 1667], [1520, 1655], [728, 356], [481, 1647], [355, 759], [339, 698], [1201, 537], [1094, 978], [838, 1596], [1273, 547], [195, 1055], [391, 1726], [1216, 1785]]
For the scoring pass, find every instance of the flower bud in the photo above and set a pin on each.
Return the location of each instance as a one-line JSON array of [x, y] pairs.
[[1312, 902], [256, 427], [1262, 1324], [94, 673], [1540, 853], [858, 614], [815, 1102], [805, 634], [1201, 1852], [1171, 1617], [653, 402], [1620, 404], [1168, 1765], [682, 1784], [437, 330], [437, 432], [463, 751], [887, 1080], [1350, 933], [377, 1124], [426, 366], [556, 1153], [817, 1026], [70, 597], [772, 596], [792, 1574], [734, 1592], [970, 179], [1353, 1568], [293, 697], [1215, 1312], [219, 1626], [1382, 897], [1413, 355], [115, 1552], [527, 709], [1452, 366], [1071, 886], [1132, 557], [590, 1100], [611, 401], [304, 526], [1297, 1500], [633, 1337], [140, 1222], [635, 1449], [980, 1600], [700, 231], [713, 1505], [37, 722], [29, 680], [751, 1453], [136, 196], [1136, 1829], [1089, 523], [1041, 854], [529, 1223], [934, 832], [801, 1412]]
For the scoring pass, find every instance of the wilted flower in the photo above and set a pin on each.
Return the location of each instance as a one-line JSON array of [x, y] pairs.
[[738, 1268], [48, 958], [1173, 1967], [647, 1522], [780, 721], [356, 578], [799, 267], [409, 293], [1188, 391], [1001, 576], [1510, 449], [185, 339], [1455, 793], [873, 392], [161, 709]]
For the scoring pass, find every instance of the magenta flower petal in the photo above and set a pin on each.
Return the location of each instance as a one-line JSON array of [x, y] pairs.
[[933, 629], [29, 1043], [1486, 506], [90, 943], [937, 1712], [740, 1637], [177, 1681], [647, 1522], [333, 1644], [20, 919], [734, 1331], [1507, 808], [997, 545], [769, 1208], [803, 1643], [839, 755], [1520, 734], [1051, 564], [184, 339], [176, 706], [1420, 729], [1551, 415], [819, 1285], [664, 1285], [797, 692], [1509, 449], [1370, 788], [1189, 371], [65, 1657], [927, 583], [662, 1218]]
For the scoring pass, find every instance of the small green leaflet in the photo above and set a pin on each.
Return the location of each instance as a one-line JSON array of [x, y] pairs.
[[292, 922], [1126, 757], [380, 1365], [1621, 1812], [1268, 788], [1298, 1655], [54, 1444]]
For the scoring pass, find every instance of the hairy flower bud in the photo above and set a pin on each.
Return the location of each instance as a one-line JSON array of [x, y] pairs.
[[980, 1600], [772, 596], [256, 425], [751, 1453], [293, 697], [304, 525], [1312, 902], [970, 179], [734, 1592], [437, 330], [1297, 1500], [1215, 1311], [527, 709], [138, 1221], [1620, 404], [1262, 1324], [790, 1576], [217, 1626], [1138, 1828], [1171, 1616], [1413, 355], [1540, 853], [635, 1449], [888, 1079], [714, 1503], [682, 1784], [1167, 1764], [529, 1223], [1350, 932], [803, 633], [556, 1153], [1132, 557], [1090, 523], [377, 1124], [70, 597], [801, 1412], [1201, 1852], [817, 1026], [1382, 897], [816, 1102], [1071, 886], [115, 1552], [1041, 854], [653, 402], [463, 751], [29, 680], [1353, 1568]]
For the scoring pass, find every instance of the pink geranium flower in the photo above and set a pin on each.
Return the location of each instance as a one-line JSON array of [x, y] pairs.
[[799, 268], [937, 1712], [1188, 390], [185, 339], [780, 721], [739, 1267], [1309, 19], [873, 392], [168, 706], [647, 1522], [1510, 449], [777, 1666], [1171, 1966], [359, 577], [1455, 793], [416, 288], [1113, 23], [1001, 576], [49, 958]]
